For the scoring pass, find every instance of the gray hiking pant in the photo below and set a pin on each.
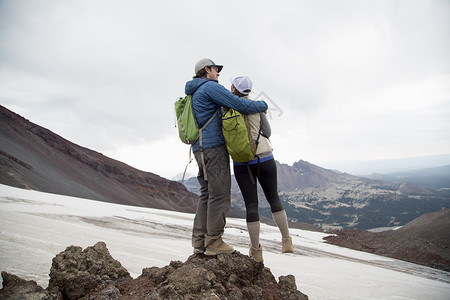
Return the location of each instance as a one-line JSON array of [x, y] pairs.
[[214, 202]]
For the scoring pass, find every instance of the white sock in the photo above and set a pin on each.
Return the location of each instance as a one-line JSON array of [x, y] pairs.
[[253, 232], [281, 221]]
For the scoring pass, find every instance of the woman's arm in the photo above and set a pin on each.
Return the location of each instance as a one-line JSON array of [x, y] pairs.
[[265, 126]]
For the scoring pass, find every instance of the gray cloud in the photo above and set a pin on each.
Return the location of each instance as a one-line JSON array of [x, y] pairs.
[[114, 69]]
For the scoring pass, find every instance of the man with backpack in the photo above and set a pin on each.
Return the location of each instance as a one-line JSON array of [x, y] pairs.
[[214, 177]]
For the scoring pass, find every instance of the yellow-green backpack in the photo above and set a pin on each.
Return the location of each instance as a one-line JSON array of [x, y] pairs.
[[238, 139]]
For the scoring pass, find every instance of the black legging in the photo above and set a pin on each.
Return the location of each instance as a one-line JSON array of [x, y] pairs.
[[267, 177]]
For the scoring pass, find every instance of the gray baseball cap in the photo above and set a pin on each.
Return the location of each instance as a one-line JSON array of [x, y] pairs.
[[206, 62]]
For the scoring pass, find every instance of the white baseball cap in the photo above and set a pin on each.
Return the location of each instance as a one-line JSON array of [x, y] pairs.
[[242, 83]]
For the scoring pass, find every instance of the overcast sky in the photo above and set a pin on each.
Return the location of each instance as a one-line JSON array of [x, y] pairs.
[[344, 80]]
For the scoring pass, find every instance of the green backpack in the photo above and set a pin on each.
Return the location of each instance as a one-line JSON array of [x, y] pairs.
[[187, 124], [188, 130], [237, 137]]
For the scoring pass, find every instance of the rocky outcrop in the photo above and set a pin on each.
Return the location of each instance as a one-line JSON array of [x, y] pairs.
[[75, 272], [17, 288], [226, 276], [93, 274], [33, 157]]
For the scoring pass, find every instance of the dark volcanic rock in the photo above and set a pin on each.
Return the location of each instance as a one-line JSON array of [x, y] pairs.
[[93, 274], [425, 241], [17, 288], [226, 276], [75, 272]]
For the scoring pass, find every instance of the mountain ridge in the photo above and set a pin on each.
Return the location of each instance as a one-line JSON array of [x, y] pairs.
[[386, 166], [33, 157], [436, 178], [334, 200]]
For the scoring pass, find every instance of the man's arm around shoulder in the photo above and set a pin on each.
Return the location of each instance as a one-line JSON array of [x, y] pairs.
[[223, 97]]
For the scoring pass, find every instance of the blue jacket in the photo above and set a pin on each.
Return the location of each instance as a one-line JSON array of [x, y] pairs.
[[208, 96]]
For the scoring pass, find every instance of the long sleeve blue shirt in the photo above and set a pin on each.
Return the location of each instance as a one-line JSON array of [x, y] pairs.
[[208, 96]]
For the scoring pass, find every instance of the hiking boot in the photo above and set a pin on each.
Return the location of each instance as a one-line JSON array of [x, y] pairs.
[[287, 245], [218, 247], [199, 250], [256, 254]]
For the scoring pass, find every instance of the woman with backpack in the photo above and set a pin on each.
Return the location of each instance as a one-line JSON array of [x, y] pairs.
[[261, 168]]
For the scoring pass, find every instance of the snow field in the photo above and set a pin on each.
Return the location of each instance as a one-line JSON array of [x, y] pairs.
[[35, 227]]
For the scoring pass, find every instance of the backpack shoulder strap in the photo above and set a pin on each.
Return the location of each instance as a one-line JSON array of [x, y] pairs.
[[200, 136]]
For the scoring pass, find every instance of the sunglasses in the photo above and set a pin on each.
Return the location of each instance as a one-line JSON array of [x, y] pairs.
[[215, 68]]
